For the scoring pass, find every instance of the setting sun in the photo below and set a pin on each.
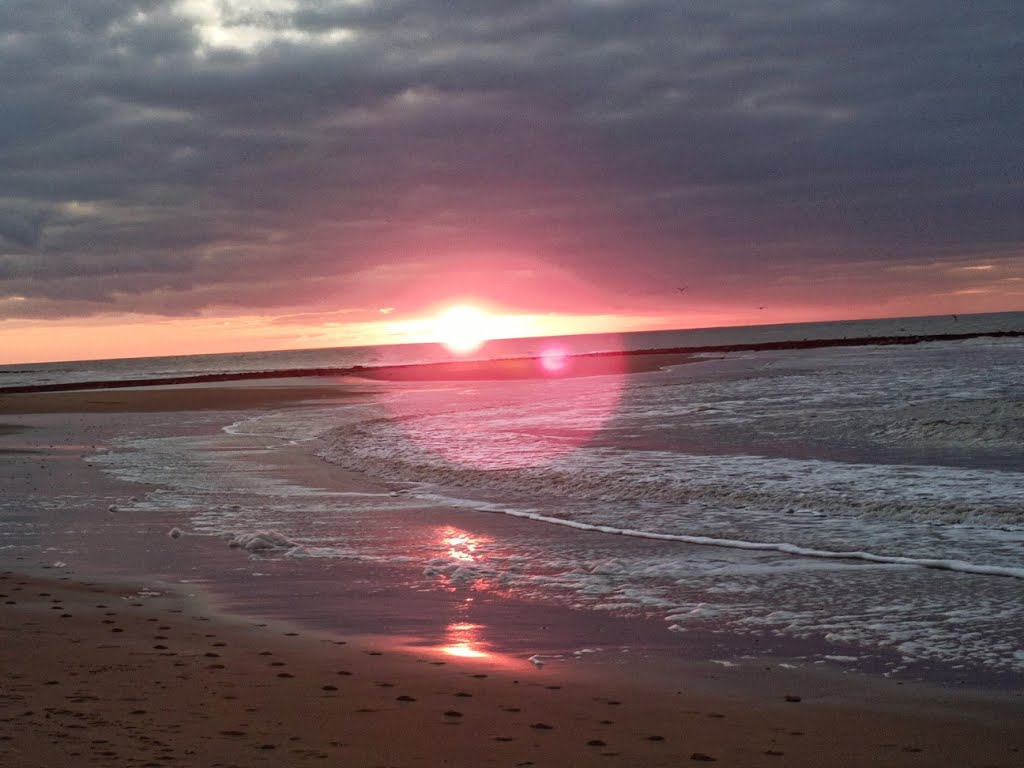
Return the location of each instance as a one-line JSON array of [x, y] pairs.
[[463, 328]]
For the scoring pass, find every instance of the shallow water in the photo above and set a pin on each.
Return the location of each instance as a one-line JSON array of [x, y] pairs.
[[837, 498], [857, 506]]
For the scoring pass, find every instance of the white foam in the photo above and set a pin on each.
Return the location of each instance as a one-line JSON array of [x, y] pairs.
[[789, 549], [539, 661], [261, 541]]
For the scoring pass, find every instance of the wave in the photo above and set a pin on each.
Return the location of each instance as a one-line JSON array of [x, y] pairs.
[[886, 492], [960, 566], [984, 422]]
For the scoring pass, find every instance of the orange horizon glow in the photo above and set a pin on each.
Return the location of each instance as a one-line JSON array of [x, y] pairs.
[[131, 336], [465, 299], [108, 337]]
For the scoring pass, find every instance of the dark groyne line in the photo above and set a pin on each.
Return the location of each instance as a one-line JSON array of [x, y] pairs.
[[380, 371], [863, 341]]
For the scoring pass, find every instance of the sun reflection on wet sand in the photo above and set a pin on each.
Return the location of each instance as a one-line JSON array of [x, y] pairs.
[[463, 640]]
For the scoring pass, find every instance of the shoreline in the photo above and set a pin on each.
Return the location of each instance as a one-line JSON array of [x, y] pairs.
[[147, 705], [63, 442], [140, 672]]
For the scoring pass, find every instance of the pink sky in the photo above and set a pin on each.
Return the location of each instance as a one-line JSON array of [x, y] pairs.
[[528, 299]]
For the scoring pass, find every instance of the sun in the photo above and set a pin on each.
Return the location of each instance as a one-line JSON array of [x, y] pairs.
[[463, 328]]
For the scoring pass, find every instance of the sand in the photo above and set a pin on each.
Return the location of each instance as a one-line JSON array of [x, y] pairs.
[[140, 674], [171, 398], [117, 675]]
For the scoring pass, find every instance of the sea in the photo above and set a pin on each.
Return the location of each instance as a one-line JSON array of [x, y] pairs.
[[857, 506]]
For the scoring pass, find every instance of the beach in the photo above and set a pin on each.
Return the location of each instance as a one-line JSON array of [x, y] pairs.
[[111, 673], [595, 383], [104, 669]]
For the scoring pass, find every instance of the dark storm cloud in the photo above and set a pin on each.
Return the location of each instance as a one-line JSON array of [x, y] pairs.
[[157, 157]]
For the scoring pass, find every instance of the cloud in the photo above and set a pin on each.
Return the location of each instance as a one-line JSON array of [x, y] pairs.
[[180, 157]]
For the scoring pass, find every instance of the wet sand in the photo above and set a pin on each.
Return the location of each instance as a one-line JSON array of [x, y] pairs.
[[117, 674], [137, 674], [171, 398], [617, 364]]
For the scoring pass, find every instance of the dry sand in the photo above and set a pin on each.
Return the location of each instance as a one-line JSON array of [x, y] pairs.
[[114, 675]]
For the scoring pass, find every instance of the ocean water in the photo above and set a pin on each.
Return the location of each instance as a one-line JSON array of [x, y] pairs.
[[869, 499], [29, 374]]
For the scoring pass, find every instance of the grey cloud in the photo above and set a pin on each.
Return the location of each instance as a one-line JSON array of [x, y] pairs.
[[585, 132], [22, 227]]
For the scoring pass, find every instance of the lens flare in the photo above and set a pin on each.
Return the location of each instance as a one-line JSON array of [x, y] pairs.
[[554, 359]]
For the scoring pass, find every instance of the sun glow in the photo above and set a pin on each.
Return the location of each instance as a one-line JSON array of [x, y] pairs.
[[464, 328]]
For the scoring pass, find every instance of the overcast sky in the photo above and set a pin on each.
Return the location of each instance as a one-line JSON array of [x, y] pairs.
[[324, 160]]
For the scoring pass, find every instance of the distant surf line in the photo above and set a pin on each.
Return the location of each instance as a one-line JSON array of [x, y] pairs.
[[499, 368]]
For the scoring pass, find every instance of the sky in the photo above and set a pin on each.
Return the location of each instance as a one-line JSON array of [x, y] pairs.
[[185, 176]]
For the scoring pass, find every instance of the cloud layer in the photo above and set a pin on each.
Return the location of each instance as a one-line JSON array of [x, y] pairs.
[[206, 155]]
